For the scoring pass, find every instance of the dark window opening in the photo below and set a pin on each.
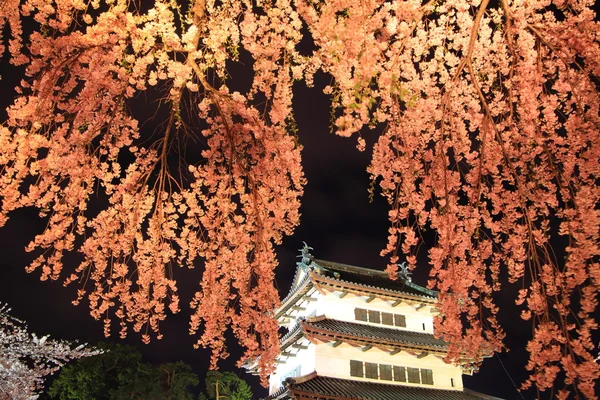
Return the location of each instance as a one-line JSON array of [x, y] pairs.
[[374, 316], [360, 314], [427, 376], [400, 320], [371, 370], [385, 372], [413, 375], [399, 374], [356, 368], [387, 318]]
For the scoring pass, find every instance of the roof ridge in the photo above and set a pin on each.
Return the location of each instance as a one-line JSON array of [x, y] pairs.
[[371, 272], [348, 267]]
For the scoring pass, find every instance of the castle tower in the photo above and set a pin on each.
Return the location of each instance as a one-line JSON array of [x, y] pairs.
[[355, 334]]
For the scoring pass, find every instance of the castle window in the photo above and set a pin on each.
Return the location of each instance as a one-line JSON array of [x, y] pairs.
[[385, 372], [427, 376], [371, 370], [387, 318], [360, 314], [399, 374], [374, 317], [400, 320], [356, 368], [413, 375], [388, 372]]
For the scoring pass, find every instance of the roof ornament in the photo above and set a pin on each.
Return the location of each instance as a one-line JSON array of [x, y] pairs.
[[403, 272], [306, 257]]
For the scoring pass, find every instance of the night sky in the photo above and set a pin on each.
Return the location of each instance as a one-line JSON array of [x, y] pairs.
[[338, 221]]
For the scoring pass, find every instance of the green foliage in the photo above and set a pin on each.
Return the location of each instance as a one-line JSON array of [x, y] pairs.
[[229, 386], [178, 378], [120, 374]]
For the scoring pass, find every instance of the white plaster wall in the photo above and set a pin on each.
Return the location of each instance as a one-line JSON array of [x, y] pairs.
[[305, 358], [335, 362], [342, 309]]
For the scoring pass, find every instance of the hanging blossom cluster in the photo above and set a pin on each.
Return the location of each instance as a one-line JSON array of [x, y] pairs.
[[491, 140], [71, 133], [26, 360]]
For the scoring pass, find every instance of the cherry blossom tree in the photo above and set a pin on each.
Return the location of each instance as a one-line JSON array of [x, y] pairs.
[[491, 139], [26, 359]]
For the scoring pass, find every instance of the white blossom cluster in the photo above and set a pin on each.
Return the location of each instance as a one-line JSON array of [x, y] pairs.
[[26, 359]]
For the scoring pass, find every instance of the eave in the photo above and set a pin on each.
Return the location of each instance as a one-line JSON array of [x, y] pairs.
[[392, 346], [325, 283], [316, 387], [294, 296]]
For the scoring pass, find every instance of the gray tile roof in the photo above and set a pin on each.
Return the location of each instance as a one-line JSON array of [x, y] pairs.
[[294, 294], [321, 387], [375, 333], [372, 278], [361, 279]]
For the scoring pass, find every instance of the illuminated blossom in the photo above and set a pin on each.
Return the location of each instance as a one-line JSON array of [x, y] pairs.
[[26, 359], [491, 139]]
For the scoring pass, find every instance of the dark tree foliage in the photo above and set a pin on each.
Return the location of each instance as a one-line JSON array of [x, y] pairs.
[[120, 374], [229, 387]]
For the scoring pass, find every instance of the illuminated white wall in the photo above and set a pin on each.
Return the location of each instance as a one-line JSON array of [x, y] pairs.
[[304, 358], [335, 362], [332, 306]]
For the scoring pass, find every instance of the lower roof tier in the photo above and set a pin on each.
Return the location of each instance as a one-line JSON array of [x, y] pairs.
[[313, 387], [326, 328]]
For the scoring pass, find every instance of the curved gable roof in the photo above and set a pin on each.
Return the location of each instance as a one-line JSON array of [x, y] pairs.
[[355, 279]]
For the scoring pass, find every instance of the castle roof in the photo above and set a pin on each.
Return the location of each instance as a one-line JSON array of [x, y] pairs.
[[356, 334], [362, 334], [370, 278], [313, 386], [330, 276], [317, 280]]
